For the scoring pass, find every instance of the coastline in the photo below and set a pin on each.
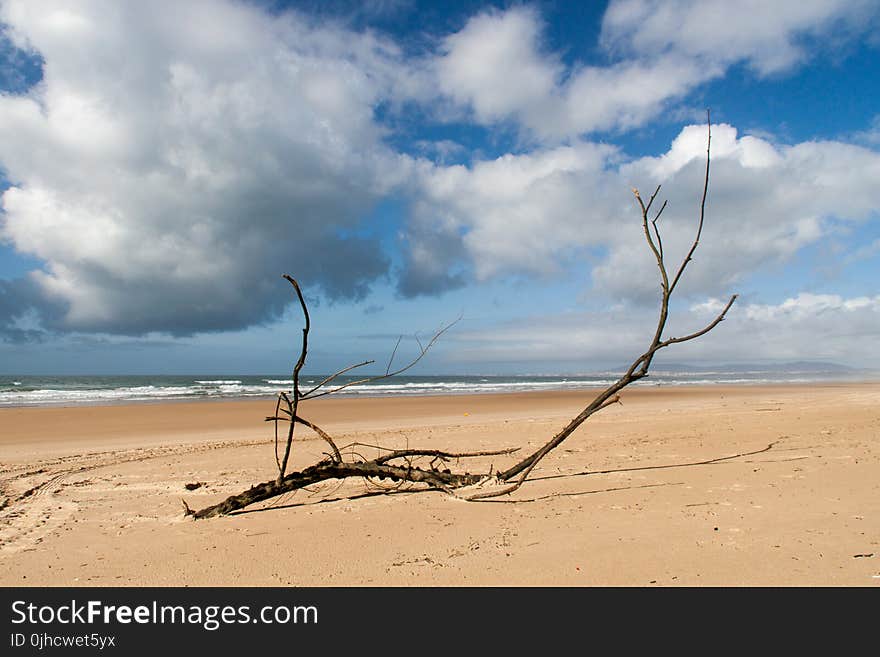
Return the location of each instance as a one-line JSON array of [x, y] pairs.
[[650, 492], [99, 390]]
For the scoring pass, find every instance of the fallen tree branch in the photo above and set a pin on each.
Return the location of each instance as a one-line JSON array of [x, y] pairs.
[[330, 470], [461, 485]]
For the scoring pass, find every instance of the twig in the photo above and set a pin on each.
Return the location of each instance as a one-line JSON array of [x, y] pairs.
[[401, 453], [702, 208], [334, 375], [292, 406], [379, 377]]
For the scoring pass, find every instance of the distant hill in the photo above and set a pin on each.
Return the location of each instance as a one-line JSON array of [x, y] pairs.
[[794, 366]]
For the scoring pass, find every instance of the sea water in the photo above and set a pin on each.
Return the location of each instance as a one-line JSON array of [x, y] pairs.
[[73, 390]]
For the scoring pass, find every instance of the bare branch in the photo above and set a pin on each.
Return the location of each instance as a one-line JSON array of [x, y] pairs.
[[296, 370], [277, 408], [655, 249], [657, 230], [391, 359], [690, 254], [639, 368], [379, 377], [334, 375], [498, 492], [651, 200], [713, 324], [305, 337], [401, 453], [326, 436], [318, 430], [328, 470], [462, 485]]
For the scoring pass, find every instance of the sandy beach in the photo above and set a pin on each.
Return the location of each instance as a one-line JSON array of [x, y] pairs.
[[680, 486]]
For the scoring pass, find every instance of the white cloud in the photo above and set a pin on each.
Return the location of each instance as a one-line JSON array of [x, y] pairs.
[[769, 36], [871, 136], [766, 202], [529, 213], [806, 305], [623, 95], [499, 66], [495, 64], [513, 214], [807, 327], [178, 157]]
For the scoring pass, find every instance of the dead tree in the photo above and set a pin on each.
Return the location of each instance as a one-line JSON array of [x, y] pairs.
[[403, 465]]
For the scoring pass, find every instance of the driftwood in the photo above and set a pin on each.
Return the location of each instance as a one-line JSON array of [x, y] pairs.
[[407, 465]]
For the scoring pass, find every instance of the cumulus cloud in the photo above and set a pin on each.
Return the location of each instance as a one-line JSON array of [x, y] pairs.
[[177, 157], [500, 67], [497, 66], [530, 213], [766, 202], [515, 214], [769, 36], [805, 327]]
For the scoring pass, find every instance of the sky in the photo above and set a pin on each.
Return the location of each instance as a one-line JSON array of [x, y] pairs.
[[162, 165]]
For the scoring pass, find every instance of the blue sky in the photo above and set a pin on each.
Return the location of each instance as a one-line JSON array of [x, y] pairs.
[[162, 164]]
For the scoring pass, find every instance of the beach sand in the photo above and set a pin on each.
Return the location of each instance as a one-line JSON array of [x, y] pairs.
[[731, 486]]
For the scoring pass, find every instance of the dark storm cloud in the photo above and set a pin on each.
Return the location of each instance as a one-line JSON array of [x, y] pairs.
[[180, 157]]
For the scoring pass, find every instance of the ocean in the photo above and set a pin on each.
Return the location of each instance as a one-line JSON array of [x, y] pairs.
[[76, 390]]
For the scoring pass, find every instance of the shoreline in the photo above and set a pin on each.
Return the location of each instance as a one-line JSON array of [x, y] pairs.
[[120, 411], [95, 390], [680, 486], [638, 385]]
